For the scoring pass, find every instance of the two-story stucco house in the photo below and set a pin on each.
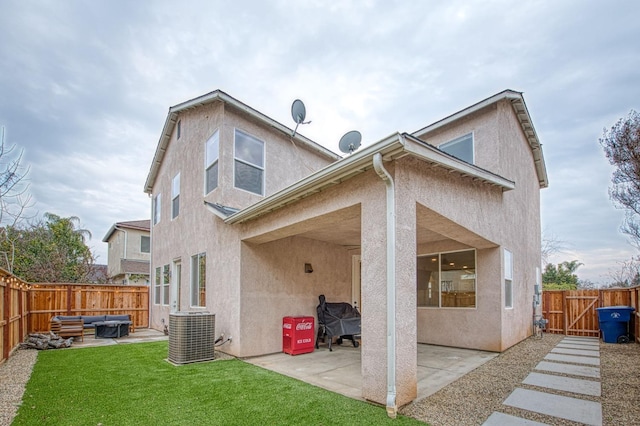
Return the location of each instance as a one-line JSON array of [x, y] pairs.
[[434, 235], [128, 252]]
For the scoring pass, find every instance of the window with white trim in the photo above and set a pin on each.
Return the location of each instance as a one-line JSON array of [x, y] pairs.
[[447, 280], [212, 147], [248, 163], [461, 148], [145, 244], [157, 202], [166, 278], [199, 280], [508, 279], [175, 196], [157, 287]]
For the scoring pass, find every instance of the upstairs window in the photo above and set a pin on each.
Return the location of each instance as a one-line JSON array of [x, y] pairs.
[[175, 196], [212, 147], [249, 163], [145, 244], [157, 201], [461, 148]]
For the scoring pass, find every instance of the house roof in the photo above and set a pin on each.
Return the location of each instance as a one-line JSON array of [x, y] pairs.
[[520, 108], [398, 145], [134, 266], [220, 96], [139, 225]]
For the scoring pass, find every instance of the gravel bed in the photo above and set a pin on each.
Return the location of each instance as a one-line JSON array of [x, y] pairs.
[[471, 399], [14, 375]]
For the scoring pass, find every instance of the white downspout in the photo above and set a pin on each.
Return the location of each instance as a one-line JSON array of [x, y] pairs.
[[392, 408]]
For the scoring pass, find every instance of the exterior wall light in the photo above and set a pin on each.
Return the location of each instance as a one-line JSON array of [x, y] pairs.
[[308, 268]]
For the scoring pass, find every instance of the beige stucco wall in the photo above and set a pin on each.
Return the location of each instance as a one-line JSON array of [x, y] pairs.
[[274, 285], [197, 230]]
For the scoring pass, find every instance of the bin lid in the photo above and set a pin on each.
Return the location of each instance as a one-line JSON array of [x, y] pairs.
[[616, 308]]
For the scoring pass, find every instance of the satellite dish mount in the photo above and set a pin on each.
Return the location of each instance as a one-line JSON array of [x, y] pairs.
[[298, 113], [350, 142]]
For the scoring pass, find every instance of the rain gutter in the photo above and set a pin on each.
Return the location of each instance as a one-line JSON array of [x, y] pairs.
[[392, 408]]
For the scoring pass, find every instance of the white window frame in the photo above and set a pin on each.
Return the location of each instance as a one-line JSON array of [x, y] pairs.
[[248, 163], [175, 196], [142, 237], [460, 139], [157, 208], [166, 282], [441, 256], [194, 290], [157, 287], [212, 144], [508, 279]]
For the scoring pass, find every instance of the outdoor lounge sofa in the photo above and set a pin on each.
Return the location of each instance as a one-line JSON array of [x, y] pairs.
[[72, 326]]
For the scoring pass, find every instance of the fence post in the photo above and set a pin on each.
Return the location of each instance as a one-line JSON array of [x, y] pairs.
[[6, 343], [564, 312], [68, 300]]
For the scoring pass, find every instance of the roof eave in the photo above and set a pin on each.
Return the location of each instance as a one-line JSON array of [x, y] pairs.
[[393, 147]]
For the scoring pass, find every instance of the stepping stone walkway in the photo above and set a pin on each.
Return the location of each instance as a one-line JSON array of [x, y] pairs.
[[578, 357]]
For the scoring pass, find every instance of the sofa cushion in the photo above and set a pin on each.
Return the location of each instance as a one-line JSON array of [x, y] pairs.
[[90, 319], [66, 317], [118, 318]]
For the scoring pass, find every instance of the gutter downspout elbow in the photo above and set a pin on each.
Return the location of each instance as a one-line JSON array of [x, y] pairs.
[[392, 408]]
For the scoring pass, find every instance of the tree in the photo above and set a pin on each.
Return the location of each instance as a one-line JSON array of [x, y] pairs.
[[628, 274], [550, 245], [622, 147], [51, 250], [561, 277], [14, 198]]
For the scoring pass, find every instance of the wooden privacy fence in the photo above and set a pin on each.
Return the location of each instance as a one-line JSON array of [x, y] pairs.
[[13, 312], [48, 300], [573, 312]]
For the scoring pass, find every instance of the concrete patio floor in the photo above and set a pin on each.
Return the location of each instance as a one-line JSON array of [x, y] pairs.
[[340, 371], [139, 336]]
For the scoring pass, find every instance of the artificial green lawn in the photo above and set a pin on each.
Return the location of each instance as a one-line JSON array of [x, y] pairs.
[[134, 385]]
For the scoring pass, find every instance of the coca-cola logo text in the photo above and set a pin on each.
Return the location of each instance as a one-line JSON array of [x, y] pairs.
[[304, 326]]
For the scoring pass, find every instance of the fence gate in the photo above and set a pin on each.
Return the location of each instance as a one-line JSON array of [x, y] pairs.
[[581, 317]]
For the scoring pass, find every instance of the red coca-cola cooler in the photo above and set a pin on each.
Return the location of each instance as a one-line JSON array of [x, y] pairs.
[[297, 335]]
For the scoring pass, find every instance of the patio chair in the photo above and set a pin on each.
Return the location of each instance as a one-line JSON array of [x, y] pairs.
[[339, 320]]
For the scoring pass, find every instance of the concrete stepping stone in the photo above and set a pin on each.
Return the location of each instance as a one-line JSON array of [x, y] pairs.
[[566, 384], [587, 340], [581, 352], [588, 360], [574, 409], [581, 343], [574, 370], [574, 346], [500, 419]]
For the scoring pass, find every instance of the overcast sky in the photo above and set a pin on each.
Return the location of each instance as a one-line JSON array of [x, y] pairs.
[[85, 87]]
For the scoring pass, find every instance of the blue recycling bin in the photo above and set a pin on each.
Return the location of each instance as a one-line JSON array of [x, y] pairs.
[[614, 322]]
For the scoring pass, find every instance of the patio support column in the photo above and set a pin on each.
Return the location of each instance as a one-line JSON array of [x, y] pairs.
[[374, 298]]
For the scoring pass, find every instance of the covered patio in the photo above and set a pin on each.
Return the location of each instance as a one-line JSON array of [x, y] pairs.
[[340, 371]]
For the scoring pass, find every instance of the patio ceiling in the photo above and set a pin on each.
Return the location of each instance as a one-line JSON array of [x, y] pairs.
[[343, 227]]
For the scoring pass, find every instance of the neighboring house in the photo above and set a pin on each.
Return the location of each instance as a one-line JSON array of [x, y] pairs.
[[444, 223], [129, 252]]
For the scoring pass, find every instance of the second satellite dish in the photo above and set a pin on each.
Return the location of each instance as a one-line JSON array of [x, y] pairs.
[[298, 113], [350, 142]]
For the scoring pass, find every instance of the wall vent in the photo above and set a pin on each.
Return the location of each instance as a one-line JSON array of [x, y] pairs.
[[191, 337]]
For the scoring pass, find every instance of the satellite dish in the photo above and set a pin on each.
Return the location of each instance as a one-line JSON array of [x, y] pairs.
[[350, 142], [298, 112]]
